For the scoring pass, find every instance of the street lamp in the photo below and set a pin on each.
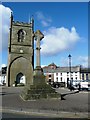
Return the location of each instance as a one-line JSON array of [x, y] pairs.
[[69, 56]]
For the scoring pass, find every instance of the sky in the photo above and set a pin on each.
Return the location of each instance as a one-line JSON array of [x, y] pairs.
[[64, 25]]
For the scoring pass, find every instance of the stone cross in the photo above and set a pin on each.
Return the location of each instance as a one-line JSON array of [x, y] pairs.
[[38, 37]]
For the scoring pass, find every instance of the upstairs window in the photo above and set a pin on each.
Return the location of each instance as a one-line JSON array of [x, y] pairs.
[[86, 76], [49, 75], [56, 74], [82, 76], [21, 35]]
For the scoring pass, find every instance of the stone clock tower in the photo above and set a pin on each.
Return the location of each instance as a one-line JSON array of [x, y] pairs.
[[20, 53]]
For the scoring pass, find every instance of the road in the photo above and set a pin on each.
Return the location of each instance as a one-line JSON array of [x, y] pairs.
[[76, 103], [14, 116], [19, 115]]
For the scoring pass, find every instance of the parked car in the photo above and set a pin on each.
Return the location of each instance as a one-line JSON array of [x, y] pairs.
[[73, 84], [58, 84], [85, 85], [55, 85]]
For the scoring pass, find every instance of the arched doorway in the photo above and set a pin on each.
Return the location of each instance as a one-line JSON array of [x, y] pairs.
[[20, 78], [24, 67]]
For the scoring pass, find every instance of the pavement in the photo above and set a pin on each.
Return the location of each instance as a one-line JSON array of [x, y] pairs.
[[65, 91], [11, 102]]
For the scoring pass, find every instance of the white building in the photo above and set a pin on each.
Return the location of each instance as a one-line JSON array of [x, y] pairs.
[[21, 79], [61, 74], [2, 79]]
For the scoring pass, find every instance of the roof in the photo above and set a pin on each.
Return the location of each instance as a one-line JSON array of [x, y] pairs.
[[61, 69], [52, 64], [66, 69], [85, 70]]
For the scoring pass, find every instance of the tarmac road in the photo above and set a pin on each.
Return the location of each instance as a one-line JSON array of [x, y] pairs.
[[19, 115], [76, 103]]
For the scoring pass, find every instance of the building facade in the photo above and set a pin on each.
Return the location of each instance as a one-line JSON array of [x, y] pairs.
[[3, 76], [54, 73], [85, 74]]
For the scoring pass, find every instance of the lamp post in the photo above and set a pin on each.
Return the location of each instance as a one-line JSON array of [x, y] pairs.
[[69, 56]]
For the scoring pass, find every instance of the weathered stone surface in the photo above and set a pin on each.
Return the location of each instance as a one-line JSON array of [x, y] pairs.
[[20, 53], [21, 62], [38, 37], [39, 91]]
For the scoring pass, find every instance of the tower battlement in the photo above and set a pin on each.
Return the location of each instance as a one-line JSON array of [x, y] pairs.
[[21, 23]]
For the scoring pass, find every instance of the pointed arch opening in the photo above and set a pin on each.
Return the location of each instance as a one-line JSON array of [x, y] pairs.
[[21, 35], [20, 78]]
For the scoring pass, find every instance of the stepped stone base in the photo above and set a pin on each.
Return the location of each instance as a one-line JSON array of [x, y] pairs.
[[38, 92], [39, 89]]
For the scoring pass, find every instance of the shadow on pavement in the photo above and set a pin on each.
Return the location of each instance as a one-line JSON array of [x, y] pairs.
[[64, 94]]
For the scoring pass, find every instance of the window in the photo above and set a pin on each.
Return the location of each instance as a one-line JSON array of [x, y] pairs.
[[56, 74], [57, 79], [61, 79], [71, 73], [67, 73], [49, 75], [49, 80], [82, 76], [76, 78], [21, 35], [67, 79], [61, 74], [86, 76], [76, 73]]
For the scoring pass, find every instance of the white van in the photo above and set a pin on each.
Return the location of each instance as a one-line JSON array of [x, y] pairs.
[[85, 84]]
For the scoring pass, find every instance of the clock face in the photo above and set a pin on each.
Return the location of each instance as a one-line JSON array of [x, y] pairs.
[[21, 51]]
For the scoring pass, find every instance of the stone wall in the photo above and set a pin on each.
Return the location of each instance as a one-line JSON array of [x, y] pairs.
[[20, 53]]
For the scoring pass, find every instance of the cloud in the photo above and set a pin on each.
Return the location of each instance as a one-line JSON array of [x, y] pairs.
[[83, 60], [5, 13], [45, 21], [58, 39], [43, 66]]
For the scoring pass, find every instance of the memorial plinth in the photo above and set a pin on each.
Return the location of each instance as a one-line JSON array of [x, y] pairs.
[[39, 89]]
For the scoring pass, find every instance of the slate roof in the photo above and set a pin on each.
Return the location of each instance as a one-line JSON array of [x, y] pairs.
[[85, 70], [61, 69]]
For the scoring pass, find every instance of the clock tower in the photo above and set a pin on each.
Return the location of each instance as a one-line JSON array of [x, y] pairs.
[[20, 53]]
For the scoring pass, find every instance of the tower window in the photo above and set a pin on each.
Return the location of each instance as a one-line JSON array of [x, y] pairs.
[[21, 35]]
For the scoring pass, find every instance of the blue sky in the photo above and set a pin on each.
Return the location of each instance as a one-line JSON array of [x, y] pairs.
[[64, 25]]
